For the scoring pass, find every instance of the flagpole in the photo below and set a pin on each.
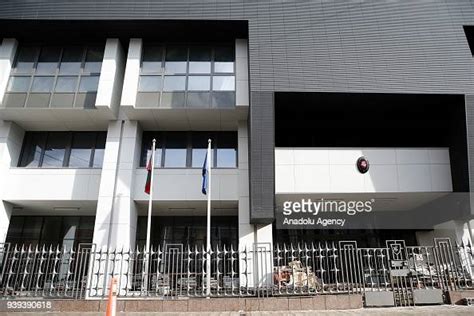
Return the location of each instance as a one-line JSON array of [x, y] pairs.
[[148, 223], [208, 265]]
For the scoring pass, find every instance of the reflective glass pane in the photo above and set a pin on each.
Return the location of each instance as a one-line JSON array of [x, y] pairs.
[[99, 150], [81, 150], [227, 150], [32, 229], [226, 157], [223, 83], [89, 84], [175, 152], [66, 84], [55, 149], [149, 83], [174, 83], [42, 84], [199, 60], [176, 58], [18, 84], [48, 60], [199, 83], [199, 67], [51, 233], [223, 67], [34, 146], [26, 58], [198, 99], [71, 60], [199, 148], [151, 59], [224, 53], [94, 57]]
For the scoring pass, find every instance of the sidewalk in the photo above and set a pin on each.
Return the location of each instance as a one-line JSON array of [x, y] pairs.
[[399, 311]]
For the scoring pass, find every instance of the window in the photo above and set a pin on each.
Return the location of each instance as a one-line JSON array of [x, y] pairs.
[[224, 60], [55, 149], [174, 83], [63, 149], [151, 59], [19, 84], [188, 149], [176, 60], [200, 83], [149, 84], [175, 150], [223, 83], [200, 60], [48, 60], [66, 84], [41, 72], [89, 84], [60, 231], [194, 76]]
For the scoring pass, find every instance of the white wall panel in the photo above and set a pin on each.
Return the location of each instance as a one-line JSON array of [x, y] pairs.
[[333, 170]]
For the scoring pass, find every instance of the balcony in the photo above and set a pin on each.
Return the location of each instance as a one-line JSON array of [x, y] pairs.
[[64, 87]]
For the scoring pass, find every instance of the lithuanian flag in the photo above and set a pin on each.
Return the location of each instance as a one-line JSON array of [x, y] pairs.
[[148, 176]]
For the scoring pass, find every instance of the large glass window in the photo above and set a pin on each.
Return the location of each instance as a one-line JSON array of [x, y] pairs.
[[175, 150], [188, 149], [48, 60], [63, 149], [19, 84], [48, 70], [55, 149], [196, 76], [62, 231]]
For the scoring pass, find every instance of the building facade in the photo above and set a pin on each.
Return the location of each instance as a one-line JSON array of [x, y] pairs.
[[293, 95]]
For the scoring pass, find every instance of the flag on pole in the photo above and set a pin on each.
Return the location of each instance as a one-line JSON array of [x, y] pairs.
[[148, 177], [204, 176]]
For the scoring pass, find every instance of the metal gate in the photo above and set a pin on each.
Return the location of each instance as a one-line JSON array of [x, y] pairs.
[[400, 276], [170, 280]]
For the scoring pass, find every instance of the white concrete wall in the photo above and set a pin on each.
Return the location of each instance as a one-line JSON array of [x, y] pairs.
[[52, 184], [333, 170], [11, 136], [111, 77], [7, 55], [115, 224], [185, 185], [132, 73], [241, 73]]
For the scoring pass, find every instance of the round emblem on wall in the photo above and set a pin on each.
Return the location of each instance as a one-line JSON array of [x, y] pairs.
[[362, 164]]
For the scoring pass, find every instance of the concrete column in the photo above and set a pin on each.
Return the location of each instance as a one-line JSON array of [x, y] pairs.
[[116, 217], [111, 79], [241, 73], [246, 230], [11, 138], [132, 73], [7, 56]]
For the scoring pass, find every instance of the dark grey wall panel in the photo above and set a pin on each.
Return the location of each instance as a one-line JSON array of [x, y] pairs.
[[357, 46], [315, 46], [262, 160]]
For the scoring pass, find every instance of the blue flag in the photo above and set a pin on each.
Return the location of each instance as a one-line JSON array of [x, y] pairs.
[[204, 177]]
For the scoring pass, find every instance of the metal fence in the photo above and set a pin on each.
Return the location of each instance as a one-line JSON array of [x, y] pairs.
[[177, 270]]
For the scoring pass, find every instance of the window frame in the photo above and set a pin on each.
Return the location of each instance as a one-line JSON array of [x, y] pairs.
[[161, 140], [67, 151], [32, 73], [163, 73]]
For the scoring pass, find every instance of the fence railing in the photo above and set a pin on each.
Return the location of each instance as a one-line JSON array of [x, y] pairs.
[[177, 270]]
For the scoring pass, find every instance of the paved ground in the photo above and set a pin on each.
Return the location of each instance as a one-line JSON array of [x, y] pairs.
[[431, 310]]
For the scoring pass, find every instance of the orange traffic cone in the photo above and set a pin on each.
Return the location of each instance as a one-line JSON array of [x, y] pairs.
[[112, 302]]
